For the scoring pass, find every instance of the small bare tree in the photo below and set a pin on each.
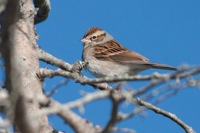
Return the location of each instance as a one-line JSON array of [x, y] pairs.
[[27, 107]]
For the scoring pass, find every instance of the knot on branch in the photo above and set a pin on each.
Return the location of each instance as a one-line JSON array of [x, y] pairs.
[[78, 66]]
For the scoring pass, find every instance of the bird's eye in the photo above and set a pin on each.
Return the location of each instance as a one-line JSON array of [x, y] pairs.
[[94, 37]]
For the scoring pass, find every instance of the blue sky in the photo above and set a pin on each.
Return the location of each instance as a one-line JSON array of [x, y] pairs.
[[164, 31]]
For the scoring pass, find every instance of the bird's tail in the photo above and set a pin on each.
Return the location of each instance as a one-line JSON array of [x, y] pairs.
[[161, 66]]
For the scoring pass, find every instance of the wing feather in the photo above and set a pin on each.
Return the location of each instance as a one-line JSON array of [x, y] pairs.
[[113, 51]]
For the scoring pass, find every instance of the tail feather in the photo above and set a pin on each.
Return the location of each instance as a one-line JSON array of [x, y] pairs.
[[162, 66]]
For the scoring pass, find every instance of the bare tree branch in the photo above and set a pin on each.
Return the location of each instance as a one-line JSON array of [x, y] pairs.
[[53, 91], [116, 99], [123, 130], [79, 124], [160, 77], [50, 59], [82, 101], [176, 76], [171, 116], [116, 117], [21, 64], [42, 73]]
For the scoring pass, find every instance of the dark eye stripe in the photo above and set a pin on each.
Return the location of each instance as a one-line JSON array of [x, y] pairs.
[[95, 37]]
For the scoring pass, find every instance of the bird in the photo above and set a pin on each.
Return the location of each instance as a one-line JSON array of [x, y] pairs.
[[106, 57]]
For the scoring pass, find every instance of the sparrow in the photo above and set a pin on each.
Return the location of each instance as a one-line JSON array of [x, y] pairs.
[[106, 57]]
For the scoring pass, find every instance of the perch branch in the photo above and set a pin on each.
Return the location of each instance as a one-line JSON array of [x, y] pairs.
[[42, 73]]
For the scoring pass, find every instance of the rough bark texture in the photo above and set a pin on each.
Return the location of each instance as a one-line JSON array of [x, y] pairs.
[[21, 62]]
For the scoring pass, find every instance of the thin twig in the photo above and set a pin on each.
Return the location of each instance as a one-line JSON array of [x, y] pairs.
[[50, 59], [157, 78], [53, 91], [169, 115], [123, 130]]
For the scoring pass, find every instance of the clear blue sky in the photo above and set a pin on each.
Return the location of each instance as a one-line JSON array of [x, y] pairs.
[[164, 31]]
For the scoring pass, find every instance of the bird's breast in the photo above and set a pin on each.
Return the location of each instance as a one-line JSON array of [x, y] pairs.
[[101, 68]]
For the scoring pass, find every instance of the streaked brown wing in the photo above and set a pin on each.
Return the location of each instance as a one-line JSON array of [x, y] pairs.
[[112, 51]]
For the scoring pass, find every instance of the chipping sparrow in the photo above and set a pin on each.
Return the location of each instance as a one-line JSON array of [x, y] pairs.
[[106, 57]]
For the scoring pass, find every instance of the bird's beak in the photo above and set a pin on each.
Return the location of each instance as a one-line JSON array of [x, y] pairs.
[[85, 40]]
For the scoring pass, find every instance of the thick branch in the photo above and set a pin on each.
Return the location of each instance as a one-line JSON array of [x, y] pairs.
[[79, 124], [21, 64]]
